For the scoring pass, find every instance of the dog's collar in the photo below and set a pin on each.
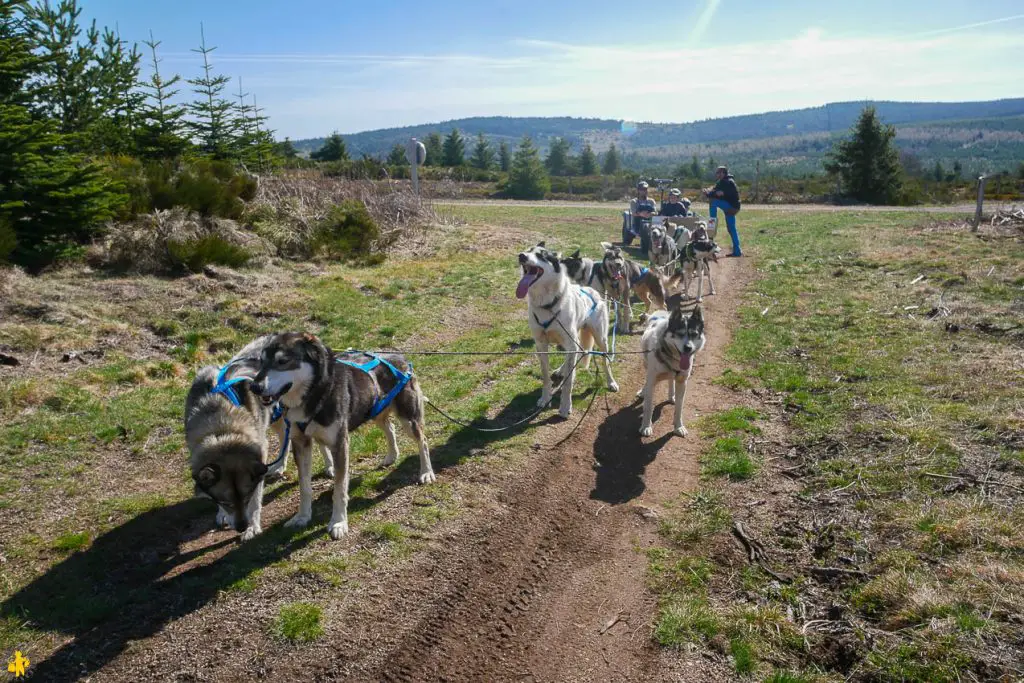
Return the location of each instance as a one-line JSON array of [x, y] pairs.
[[554, 302]]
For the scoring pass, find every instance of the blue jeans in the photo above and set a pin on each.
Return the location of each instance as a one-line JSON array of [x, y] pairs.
[[730, 222]]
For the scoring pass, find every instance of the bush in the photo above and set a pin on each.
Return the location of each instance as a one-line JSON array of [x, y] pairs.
[[211, 249], [8, 240], [346, 232]]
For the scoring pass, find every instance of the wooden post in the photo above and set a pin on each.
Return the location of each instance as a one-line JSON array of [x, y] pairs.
[[981, 199], [757, 173]]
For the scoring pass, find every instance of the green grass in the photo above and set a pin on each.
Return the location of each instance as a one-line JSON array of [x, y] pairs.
[[728, 457], [68, 543], [299, 622], [685, 619]]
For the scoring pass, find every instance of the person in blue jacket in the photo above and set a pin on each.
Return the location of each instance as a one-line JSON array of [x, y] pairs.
[[725, 195]]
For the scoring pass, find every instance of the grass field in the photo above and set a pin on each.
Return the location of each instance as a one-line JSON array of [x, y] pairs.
[[876, 457], [888, 434]]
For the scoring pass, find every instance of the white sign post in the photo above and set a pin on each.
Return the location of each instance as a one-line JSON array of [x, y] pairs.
[[416, 153]]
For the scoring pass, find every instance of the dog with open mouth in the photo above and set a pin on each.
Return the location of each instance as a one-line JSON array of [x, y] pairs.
[[326, 396], [573, 316], [670, 342], [626, 277], [695, 259], [226, 433]]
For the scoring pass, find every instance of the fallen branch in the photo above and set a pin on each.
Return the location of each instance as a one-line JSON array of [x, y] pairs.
[[832, 572], [611, 622], [973, 481]]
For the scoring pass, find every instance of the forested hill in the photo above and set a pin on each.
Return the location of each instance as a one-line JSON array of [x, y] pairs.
[[829, 118]]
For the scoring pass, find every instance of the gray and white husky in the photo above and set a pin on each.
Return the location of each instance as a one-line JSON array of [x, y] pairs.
[[228, 443], [662, 251], [670, 342], [626, 277], [585, 271], [573, 316], [326, 399], [695, 259]]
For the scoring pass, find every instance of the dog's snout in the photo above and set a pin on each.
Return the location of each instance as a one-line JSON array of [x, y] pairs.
[[522, 258]]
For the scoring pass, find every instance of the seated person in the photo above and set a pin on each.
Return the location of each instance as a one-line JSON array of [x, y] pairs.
[[674, 206], [642, 208]]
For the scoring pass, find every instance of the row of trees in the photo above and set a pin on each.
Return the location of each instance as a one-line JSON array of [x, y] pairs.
[[72, 101]]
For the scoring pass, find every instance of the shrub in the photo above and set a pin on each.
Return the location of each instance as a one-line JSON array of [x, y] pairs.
[[8, 240], [211, 249], [346, 232]]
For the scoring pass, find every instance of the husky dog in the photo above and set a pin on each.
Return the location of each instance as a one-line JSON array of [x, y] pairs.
[[625, 277], [681, 236], [227, 443], [663, 249], [572, 316], [695, 258], [325, 399], [669, 342], [585, 271]]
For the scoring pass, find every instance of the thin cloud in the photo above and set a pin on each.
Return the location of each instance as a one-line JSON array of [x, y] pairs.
[[967, 27]]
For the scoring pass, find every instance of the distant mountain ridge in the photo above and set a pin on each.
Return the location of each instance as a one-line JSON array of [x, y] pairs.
[[796, 138]]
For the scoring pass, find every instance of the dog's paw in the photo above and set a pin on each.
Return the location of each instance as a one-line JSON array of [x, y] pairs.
[[613, 386], [543, 401], [389, 459], [274, 476], [427, 477], [223, 519], [566, 410], [298, 521], [646, 431], [338, 529], [680, 431], [251, 533]]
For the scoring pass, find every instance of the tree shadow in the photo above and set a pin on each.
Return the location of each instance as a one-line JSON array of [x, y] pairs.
[[133, 580], [622, 456]]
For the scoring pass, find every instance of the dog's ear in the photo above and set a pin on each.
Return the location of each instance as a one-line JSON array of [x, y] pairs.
[[606, 245], [575, 254], [675, 321], [541, 244], [311, 338], [674, 302], [208, 476], [697, 318]]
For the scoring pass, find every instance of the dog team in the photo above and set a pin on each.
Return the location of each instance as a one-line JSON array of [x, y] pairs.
[[295, 385]]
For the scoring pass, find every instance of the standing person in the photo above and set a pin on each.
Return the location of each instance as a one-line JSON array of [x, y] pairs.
[[726, 196], [642, 208]]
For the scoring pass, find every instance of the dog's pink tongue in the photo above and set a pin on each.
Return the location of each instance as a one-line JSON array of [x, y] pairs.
[[524, 285], [684, 361]]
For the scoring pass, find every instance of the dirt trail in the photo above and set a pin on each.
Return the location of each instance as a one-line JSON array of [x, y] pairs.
[[528, 591]]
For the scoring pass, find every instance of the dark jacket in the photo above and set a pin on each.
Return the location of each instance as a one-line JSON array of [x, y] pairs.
[[672, 209], [730, 192]]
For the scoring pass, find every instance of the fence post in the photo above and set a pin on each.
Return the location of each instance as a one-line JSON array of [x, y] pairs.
[[981, 199], [757, 174]]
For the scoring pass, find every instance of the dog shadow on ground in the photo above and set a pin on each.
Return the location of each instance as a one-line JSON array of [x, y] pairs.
[[622, 456], [463, 443], [132, 581]]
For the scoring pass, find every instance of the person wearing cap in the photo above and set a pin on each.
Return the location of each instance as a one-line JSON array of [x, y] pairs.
[[674, 206], [725, 195], [642, 209]]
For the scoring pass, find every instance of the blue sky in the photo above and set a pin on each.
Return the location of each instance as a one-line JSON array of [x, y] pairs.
[[321, 65]]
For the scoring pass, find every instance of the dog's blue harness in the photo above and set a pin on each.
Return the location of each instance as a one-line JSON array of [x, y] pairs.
[[226, 388], [545, 326], [638, 278], [402, 378]]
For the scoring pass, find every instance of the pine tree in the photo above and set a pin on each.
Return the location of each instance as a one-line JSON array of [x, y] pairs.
[[612, 163], [396, 157], [695, 169], [435, 150], [483, 155], [117, 95], [212, 123], [868, 164], [333, 149], [504, 157], [588, 161], [161, 134], [557, 161], [527, 178], [454, 149], [50, 198], [958, 170], [285, 149], [710, 175], [939, 173]]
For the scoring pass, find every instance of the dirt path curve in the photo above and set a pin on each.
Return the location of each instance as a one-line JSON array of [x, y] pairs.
[[528, 592]]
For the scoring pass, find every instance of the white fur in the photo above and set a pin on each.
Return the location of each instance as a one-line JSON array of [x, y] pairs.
[[573, 327]]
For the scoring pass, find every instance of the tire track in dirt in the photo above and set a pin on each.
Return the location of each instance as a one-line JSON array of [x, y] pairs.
[[530, 595]]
